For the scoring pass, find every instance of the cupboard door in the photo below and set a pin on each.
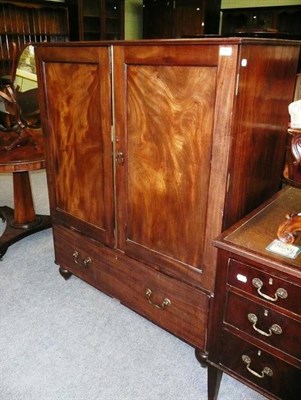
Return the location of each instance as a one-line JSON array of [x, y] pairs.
[[89, 19], [165, 131], [188, 18], [101, 19], [77, 128], [114, 20], [157, 19]]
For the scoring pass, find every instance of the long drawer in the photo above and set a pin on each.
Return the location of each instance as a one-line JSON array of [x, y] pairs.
[[260, 368], [263, 323], [174, 305]]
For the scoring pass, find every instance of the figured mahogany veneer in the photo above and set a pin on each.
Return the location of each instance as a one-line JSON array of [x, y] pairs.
[[255, 320], [153, 148]]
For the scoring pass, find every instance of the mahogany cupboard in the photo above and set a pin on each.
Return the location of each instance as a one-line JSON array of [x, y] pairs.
[[152, 149]]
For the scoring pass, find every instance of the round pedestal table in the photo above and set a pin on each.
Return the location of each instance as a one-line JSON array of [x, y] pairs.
[[22, 220]]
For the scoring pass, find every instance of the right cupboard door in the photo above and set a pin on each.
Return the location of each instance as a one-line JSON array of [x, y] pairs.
[[164, 131]]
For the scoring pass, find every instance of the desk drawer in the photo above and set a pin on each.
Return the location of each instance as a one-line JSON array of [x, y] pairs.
[[265, 324], [260, 368], [264, 286], [174, 305]]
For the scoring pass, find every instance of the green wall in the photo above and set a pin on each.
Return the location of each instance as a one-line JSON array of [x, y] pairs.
[[133, 19], [258, 3]]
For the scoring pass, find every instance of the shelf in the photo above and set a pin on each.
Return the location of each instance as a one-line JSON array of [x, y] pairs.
[[22, 22], [105, 16]]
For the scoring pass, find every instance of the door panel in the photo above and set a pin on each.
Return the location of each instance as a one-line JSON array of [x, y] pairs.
[[78, 134], [168, 157], [173, 112], [157, 19], [189, 18]]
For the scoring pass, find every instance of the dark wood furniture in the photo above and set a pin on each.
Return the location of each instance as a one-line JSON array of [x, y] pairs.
[[100, 20], [151, 154], [180, 18], [292, 170], [290, 228], [263, 20], [22, 221], [255, 321], [25, 22]]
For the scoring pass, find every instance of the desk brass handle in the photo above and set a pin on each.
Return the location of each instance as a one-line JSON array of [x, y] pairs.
[[165, 303], [83, 262], [276, 329], [266, 370], [280, 293]]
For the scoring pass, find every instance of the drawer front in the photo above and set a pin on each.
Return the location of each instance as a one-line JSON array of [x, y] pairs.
[[263, 323], [265, 286], [260, 368], [74, 253], [175, 306], [172, 304]]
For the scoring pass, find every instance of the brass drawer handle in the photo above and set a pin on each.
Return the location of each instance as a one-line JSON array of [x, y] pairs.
[[276, 329], [83, 262], [165, 303], [280, 293], [266, 370]]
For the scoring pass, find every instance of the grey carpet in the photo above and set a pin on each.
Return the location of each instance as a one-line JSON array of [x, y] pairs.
[[67, 341]]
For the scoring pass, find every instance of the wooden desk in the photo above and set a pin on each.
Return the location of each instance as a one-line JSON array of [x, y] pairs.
[[22, 221], [255, 321]]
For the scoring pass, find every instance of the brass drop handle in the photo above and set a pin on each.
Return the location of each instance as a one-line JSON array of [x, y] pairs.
[[165, 303], [83, 262], [276, 329], [280, 293], [266, 370]]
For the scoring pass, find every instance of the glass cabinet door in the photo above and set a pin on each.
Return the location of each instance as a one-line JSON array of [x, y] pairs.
[[113, 20], [101, 19]]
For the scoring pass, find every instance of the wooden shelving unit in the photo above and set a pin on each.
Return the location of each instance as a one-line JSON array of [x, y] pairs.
[[277, 20], [101, 19], [180, 18], [23, 22]]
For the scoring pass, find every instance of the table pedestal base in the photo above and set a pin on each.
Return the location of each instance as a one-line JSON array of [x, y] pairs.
[[15, 232], [20, 160]]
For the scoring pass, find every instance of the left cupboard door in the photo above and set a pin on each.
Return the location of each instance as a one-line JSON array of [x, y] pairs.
[[75, 101]]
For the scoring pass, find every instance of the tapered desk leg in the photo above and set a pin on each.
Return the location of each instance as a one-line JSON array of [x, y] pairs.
[[22, 221], [214, 380]]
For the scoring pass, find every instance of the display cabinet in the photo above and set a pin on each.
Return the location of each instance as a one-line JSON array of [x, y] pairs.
[[180, 18], [101, 19], [284, 20]]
